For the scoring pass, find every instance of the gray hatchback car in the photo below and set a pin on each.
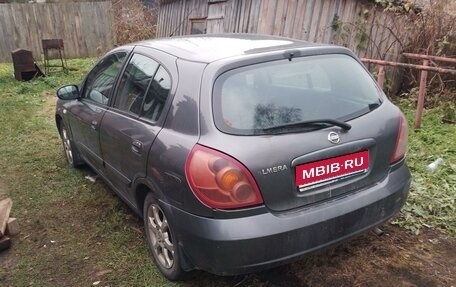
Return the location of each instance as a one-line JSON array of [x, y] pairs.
[[241, 152]]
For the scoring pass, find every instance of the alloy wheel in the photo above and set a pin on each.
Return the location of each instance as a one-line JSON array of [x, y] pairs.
[[160, 236], [67, 145]]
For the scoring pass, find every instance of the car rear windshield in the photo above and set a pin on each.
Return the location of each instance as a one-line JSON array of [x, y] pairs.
[[258, 98]]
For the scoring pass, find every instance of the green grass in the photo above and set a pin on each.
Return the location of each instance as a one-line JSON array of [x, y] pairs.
[[72, 229], [52, 200], [432, 200]]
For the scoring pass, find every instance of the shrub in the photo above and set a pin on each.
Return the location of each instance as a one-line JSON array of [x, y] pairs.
[[134, 21], [430, 31]]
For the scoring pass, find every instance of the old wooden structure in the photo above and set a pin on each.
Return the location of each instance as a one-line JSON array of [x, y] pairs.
[[53, 48], [25, 68], [357, 24], [87, 28]]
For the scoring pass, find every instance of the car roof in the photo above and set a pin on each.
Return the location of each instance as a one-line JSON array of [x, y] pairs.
[[213, 47]]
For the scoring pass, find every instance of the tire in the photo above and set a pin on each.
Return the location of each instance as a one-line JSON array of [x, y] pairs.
[[161, 240], [71, 153]]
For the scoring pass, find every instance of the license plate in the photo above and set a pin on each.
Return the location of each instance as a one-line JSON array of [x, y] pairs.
[[320, 172]]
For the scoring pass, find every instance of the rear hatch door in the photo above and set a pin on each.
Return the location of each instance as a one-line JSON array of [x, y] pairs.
[[260, 112]]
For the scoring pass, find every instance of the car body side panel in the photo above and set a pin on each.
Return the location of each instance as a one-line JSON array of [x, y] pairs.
[[166, 165], [124, 161], [82, 118], [120, 132]]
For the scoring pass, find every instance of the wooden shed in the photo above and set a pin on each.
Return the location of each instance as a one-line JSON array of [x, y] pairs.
[[357, 24]]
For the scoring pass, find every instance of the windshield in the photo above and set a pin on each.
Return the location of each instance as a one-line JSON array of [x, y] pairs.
[[252, 99]]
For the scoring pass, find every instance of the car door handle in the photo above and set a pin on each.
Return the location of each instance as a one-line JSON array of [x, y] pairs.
[[94, 125], [136, 146]]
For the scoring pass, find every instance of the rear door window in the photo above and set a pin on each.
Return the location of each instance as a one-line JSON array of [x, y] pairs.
[[143, 89], [156, 95], [261, 96], [134, 84]]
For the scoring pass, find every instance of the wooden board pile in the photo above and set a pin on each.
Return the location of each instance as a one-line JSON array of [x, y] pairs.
[[8, 225]]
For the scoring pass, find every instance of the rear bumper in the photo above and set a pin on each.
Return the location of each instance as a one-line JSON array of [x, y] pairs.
[[248, 244]]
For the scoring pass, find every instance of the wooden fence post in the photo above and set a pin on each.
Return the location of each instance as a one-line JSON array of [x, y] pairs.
[[421, 95], [381, 76]]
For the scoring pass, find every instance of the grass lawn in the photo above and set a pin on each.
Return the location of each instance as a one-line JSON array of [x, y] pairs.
[[75, 233], [432, 199]]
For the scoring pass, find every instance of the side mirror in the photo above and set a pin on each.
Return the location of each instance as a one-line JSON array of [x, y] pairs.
[[70, 92]]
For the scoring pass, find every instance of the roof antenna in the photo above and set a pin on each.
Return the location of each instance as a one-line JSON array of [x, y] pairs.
[[290, 56]]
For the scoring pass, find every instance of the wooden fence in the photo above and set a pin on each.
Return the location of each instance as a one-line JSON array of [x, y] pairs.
[[356, 24], [85, 27]]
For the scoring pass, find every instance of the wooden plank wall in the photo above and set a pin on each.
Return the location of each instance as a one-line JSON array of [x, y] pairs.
[[310, 20], [87, 28]]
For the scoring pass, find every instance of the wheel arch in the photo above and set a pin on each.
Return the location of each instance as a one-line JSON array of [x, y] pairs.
[[142, 188], [58, 120], [141, 192]]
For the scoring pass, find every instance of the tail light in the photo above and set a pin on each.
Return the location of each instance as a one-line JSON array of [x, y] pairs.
[[401, 141], [220, 181]]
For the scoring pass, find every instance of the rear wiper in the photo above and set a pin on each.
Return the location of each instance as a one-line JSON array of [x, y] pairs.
[[327, 122], [373, 106]]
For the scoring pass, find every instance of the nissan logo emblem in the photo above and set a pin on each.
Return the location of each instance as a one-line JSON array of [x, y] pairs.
[[333, 137]]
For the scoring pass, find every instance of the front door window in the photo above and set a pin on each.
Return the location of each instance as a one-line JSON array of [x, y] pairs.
[[100, 81]]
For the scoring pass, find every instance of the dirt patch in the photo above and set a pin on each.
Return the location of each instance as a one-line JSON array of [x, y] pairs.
[[396, 258], [48, 109]]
